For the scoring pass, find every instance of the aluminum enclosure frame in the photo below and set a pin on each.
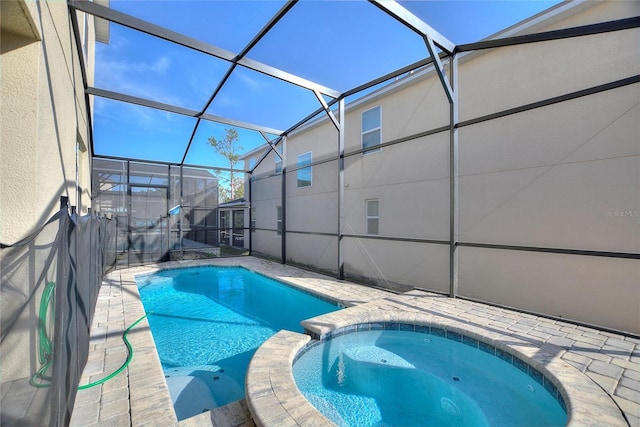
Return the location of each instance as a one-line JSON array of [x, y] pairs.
[[432, 39]]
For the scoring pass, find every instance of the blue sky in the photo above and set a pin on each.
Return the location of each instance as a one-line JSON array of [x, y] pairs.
[[338, 44]]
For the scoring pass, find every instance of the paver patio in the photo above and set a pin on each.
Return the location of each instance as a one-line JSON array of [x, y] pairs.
[[139, 395]]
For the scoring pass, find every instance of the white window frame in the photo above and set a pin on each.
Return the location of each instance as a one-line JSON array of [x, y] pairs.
[[278, 220], [298, 171], [372, 217], [374, 148]]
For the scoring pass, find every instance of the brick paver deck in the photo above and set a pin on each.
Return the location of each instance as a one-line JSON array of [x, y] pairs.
[[139, 396]]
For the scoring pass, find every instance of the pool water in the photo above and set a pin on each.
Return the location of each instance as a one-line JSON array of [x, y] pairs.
[[207, 323], [403, 378]]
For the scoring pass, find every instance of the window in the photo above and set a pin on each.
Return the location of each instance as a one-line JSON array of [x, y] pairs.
[[278, 220], [278, 161], [252, 223], [304, 173], [372, 216], [371, 130], [252, 163]]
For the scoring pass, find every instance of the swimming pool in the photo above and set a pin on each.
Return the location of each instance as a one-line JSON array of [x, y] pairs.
[[207, 322], [396, 376]]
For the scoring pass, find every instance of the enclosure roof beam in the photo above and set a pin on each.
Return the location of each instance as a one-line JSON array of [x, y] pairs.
[[431, 38], [246, 50], [584, 30], [392, 75], [178, 110], [121, 18], [327, 110], [174, 37], [135, 160], [309, 117], [268, 26], [160, 162], [448, 90], [117, 96], [272, 144], [272, 22], [411, 21], [240, 123], [216, 168], [374, 82]]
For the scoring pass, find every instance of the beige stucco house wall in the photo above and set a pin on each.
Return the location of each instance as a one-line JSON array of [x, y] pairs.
[[44, 125], [563, 176], [44, 140]]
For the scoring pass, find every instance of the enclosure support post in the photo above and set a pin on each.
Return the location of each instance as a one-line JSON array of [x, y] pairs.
[[128, 215], [62, 314], [250, 204], [170, 197], [181, 213], [340, 188], [453, 178], [283, 203]]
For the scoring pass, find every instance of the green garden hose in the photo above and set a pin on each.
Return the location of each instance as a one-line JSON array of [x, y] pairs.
[[126, 362], [45, 345]]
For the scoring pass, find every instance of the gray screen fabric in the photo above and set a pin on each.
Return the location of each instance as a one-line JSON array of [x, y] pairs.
[[48, 291]]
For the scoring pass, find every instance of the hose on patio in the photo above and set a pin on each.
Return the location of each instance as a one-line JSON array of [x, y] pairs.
[[45, 344], [126, 362]]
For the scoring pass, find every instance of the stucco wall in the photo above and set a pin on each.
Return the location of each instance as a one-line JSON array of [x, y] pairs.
[[43, 115], [42, 118], [562, 176]]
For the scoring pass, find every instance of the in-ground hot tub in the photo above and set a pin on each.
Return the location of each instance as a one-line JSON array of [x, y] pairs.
[[401, 375], [274, 398]]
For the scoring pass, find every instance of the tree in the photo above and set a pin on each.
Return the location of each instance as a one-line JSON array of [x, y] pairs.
[[229, 148]]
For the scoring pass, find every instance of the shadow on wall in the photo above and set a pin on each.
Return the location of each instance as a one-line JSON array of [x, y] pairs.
[[49, 287]]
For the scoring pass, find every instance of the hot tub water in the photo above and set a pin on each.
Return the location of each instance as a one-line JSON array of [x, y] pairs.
[[402, 378]]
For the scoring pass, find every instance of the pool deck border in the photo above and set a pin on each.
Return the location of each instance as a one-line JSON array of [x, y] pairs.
[[599, 371]]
